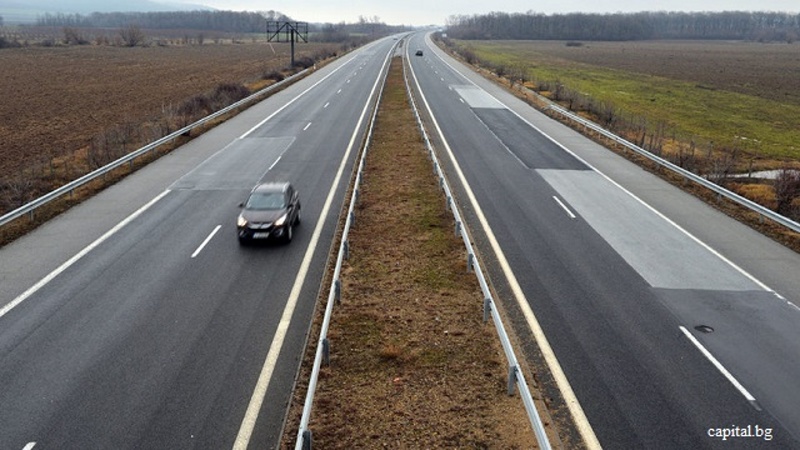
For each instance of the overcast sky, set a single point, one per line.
(425, 12)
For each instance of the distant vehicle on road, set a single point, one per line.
(271, 212)
(419, 53)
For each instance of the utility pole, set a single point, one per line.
(290, 31)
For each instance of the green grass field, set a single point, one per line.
(693, 109)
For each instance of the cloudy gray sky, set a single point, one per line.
(424, 12)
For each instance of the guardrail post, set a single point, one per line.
(487, 309)
(346, 248)
(470, 261)
(307, 440)
(337, 289)
(512, 379)
(352, 218)
(326, 352)
(357, 195)
(458, 227)
(449, 201)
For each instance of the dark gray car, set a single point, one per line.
(271, 212)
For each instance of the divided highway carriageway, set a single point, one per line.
(664, 322)
(136, 320)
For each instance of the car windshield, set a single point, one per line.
(265, 200)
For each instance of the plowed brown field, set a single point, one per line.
(55, 99)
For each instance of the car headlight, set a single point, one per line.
(241, 221)
(281, 220)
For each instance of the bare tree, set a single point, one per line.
(132, 36)
(722, 165)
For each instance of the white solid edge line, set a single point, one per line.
(574, 406)
(733, 265)
(208, 239)
(564, 207)
(260, 391)
(718, 365)
(33, 289)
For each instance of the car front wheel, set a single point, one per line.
(289, 233)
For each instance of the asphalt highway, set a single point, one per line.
(671, 325)
(136, 320)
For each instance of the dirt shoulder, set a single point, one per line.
(412, 363)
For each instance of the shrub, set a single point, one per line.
(273, 75)
(112, 144)
(787, 189)
(204, 104)
(132, 36)
(228, 94)
(195, 107)
(304, 62)
(73, 36)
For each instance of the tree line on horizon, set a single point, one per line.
(733, 25)
(204, 20)
(229, 21)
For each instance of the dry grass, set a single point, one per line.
(412, 364)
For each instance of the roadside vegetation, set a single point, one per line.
(724, 110)
(412, 363)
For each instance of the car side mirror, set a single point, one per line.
(241, 205)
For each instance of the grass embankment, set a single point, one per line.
(691, 108)
(412, 363)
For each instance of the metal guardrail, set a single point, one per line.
(515, 375)
(753, 206)
(322, 354)
(31, 207)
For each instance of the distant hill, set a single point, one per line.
(19, 11)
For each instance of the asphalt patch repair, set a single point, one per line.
(412, 363)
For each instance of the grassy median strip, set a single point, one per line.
(412, 363)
